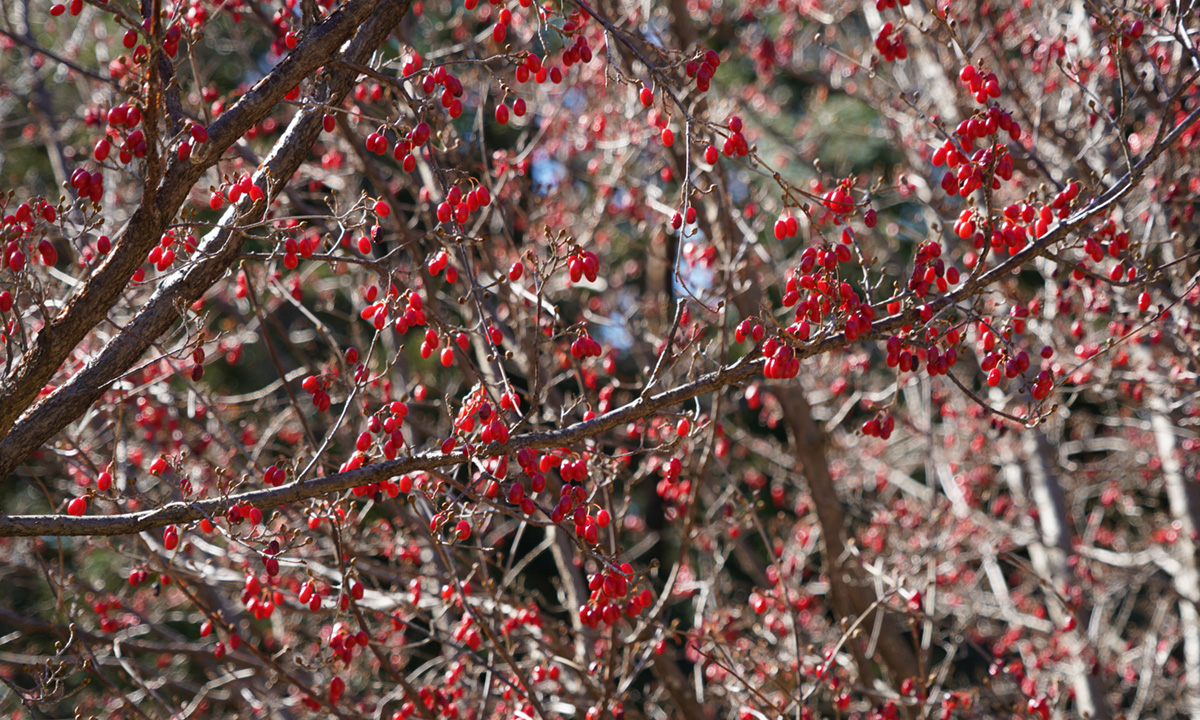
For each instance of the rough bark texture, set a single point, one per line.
(219, 249)
(90, 305)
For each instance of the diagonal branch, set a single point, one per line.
(90, 305)
(183, 512)
(11, 454)
(217, 252)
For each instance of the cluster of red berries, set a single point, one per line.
(103, 608)
(581, 264)
(1013, 365)
(317, 388)
(608, 589)
(238, 513)
(704, 70)
(377, 143)
(671, 488)
(15, 228)
(991, 122)
(253, 591)
(824, 294)
(58, 9)
(275, 476)
(138, 576)
(938, 362)
(880, 429)
(493, 429)
(891, 47)
(579, 52)
(343, 641)
(22, 220)
(392, 488)
(88, 185)
(1063, 199)
(678, 218)
(585, 347)
(125, 115)
(243, 187)
(973, 171)
(735, 144)
(571, 471)
(502, 111)
(748, 328)
(1042, 385)
(452, 90)
(516, 490)
(1106, 238)
(930, 271)
(172, 37)
(459, 206)
(494, 432)
(377, 311)
(1013, 232)
(309, 596)
(786, 227)
(532, 67)
(839, 201)
(984, 86)
(782, 363)
(571, 502)
(261, 608)
(438, 263)
(432, 341)
(389, 428)
(822, 259)
(162, 255)
(467, 633)
(1005, 363)
(1093, 246)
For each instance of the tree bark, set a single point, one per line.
(218, 251)
(91, 304)
(852, 592)
(1183, 494)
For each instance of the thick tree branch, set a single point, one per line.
(217, 252)
(182, 512)
(90, 305)
(11, 453)
(852, 593)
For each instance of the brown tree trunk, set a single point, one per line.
(852, 593)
